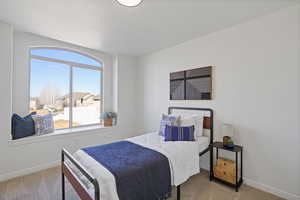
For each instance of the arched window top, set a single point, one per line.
(65, 55)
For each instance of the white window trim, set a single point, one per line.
(85, 66)
(62, 134)
(71, 65)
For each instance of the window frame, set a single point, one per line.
(71, 65)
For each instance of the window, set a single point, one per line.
(67, 85)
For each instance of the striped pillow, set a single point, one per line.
(179, 133)
(43, 124)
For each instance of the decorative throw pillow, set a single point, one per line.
(179, 133)
(22, 126)
(43, 124)
(193, 120)
(167, 120)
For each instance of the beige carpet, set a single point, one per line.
(45, 185)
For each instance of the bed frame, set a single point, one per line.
(80, 189)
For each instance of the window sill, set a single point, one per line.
(59, 134)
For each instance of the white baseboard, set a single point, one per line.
(23, 172)
(272, 190)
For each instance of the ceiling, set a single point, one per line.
(107, 26)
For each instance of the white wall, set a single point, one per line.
(256, 88)
(126, 97)
(6, 49)
(25, 157)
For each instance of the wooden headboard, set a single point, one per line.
(208, 121)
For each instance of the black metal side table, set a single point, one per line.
(236, 149)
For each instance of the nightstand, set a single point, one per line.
(238, 176)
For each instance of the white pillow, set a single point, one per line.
(167, 120)
(193, 120)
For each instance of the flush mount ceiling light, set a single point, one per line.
(129, 3)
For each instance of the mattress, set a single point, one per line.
(183, 159)
(154, 139)
(203, 143)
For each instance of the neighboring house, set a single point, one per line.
(79, 99)
(84, 100)
(60, 103)
(50, 108)
(97, 98)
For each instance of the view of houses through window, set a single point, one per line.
(67, 85)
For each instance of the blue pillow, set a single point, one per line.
(179, 133)
(22, 127)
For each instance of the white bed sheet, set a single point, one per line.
(183, 160)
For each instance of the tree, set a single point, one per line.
(49, 94)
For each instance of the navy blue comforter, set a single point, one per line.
(140, 173)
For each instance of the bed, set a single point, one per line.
(93, 181)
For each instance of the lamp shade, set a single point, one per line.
(130, 3)
(227, 130)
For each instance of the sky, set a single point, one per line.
(45, 73)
